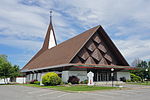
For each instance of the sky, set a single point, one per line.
(23, 25)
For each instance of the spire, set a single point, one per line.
(50, 39)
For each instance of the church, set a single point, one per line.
(92, 50)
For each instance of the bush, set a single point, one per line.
(135, 78)
(69, 84)
(51, 79)
(84, 82)
(32, 82)
(123, 79)
(37, 82)
(73, 80)
(128, 81)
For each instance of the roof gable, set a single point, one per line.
(99, 49)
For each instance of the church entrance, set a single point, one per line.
(102, 76)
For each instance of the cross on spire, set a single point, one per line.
(50, 16)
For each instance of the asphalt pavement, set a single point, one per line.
(17, 92)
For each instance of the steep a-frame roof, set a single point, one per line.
(66, 51)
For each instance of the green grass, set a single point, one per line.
(73, 87)
(6, 84)
(85, 88)
(141, 83)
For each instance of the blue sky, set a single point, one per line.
(24, 24)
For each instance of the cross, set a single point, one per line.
(50, 16)
(50, 12)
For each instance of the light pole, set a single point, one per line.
(146, 75)
(112, 76)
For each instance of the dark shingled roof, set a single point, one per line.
(62, 53)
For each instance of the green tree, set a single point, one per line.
(4, 57)
(15, 71)
(7, 70)
(149, 64)
(143, 64)
(141, 71)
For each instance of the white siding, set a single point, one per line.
(82, 75)
(123, 74)
(31, 77)
(20, 80)
(27, 78)
(39, 76)
(65, 76)
(34, 76)
(2, 81)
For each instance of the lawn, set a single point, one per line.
(141, 83)
(73, 87)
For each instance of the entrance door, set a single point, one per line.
(102, 76)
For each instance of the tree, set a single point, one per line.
(149, 64)
(136, 62)
(141, 71)
(4, 57)
(7, 70)
(143, 64)
(15, 71)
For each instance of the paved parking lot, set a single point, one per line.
(15, 92)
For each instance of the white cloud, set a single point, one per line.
(27, 45)
(24, 22)
(134, 48)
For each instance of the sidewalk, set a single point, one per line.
(132, 86)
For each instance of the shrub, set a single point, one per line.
(32, 82)
(37, 82)
(84, 82)
(128, 81)
(123, 79)
(69, 84)
(73, 80)
(135, 78)
(51, 79)
(81, 82)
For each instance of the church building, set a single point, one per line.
(92, 50)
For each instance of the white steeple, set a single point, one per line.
(50, 39)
